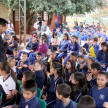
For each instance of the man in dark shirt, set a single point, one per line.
(3, 45)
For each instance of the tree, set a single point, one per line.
(66, 7)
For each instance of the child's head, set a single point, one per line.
(70, 65)
(97, 31)
(15, 52)
(95, 68)
(88, 41)
(35, 38)
(63, 91)
(104, 32)
(94, 40)
(42, 40)
(57, 29)
(14, 38)
(65, 36)
(57, 69)
(5, 69)
(73, 38)
(80, 58)
(73, 56)
(12, 33)
(102, 79)
(11, 61)
(81, 32)
(86, 102)
(23, 56)
(29, 89)
(39, 56)
(89, 33)
(52, 55)
(104, 46)
(91, 60)
(28, 75)
(38, 65)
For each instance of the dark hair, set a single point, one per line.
(96, 65)
(92, 59)
(39, 53)
(89, 38)
(74, 54)
(103, 73)
(34, 33)
(95, 39)
(53, 51)
(44, 70)
(64, 90)
(66, 34)
(75, 42)
(12, 33)
(104, 31)
(81, 56)
(29, 75)
(73, 66)
(59, 68)
(86, 102)
(100, 54)
(15, 38)
(10, 59)
(54, 34)
(89, 31)
(16, 49)
(81, 31)
(30, 85)
(80, 77)
(3, 22)
(24, 53)
(45, 36)
(5, 66)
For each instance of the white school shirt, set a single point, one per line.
(14, 69)
(8, 84)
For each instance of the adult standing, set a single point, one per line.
(3, 44)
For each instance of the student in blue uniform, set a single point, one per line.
(81, 61)
(82, 36)
(102, 56)
(76, 32)
(79, 87)
(92, 30)
(73, 47)
(89, 35)
(15, 55)
(70, 69)
(86, 46)
(56, 78)
(29, 100)
(92, 77)
(23, 65)
(86, 102)
(41, 75)
(62, 93)
(100, 92)
(105, 36)
(63, 46)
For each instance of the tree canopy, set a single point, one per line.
(66, 7)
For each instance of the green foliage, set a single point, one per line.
(66, 7)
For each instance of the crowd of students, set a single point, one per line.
(75, 71)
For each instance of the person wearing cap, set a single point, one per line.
(32, 45)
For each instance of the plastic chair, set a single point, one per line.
(43, 104)
(75, 103)
(39, 92)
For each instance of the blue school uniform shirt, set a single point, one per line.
(68, 74)
(83, 37)
(23, 69)
(93, 31)
(71, 47)
(32, 103)
(64, 45)
(76, 33)
(106, 37)
(86, 46)
(15, 43)
(100, 96)
(40, 78)
(59, 104)
(89, 36)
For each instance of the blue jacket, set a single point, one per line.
(32, 103)
(71, 47)
(51, 90)
(83, 37)
(31, 46)
(106, 37)
(100, 96)
(40, 78)
(59, 104)
(23, 69)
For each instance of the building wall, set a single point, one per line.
(4, 13)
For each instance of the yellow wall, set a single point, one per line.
(4, 13)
